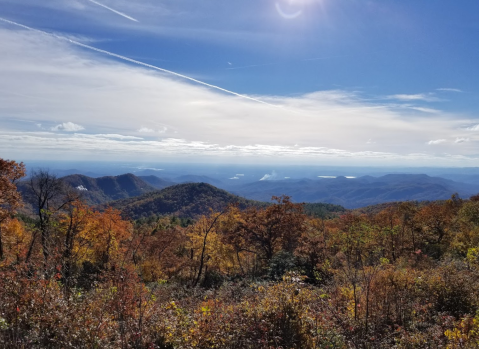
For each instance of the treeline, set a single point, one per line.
(261, 277)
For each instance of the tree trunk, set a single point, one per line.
(1, 244)
(203, 250)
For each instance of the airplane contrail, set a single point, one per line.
(113, 10)
(139, 63)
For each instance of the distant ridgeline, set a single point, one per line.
(145, 196)
(360, 192)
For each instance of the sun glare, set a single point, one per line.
(290, 9)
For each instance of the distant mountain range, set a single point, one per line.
(464, 178)
(347, 192)
(359, 192)
(157, 182)
(190, 200)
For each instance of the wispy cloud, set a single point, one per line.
(173, 148)
(449, 89)
(68, 127)
(117, 136)
(436, 141)
(201, 122)
(192, 20)
(427, 97)
(139, 63)
(425, 110)
(461, 140)
(473, 128)
(113, 10)
(150, 130)
(146, 130)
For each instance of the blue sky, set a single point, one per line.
(340, 82)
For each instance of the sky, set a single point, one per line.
(323, 82)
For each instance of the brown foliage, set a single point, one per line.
(277, 227)
(10, 199)
(404, 277)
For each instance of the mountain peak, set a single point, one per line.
(108, 188)
(183, 200)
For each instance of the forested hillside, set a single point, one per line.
(189, 200)
(103, 189)
(239, 276)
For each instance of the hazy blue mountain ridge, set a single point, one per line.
(157, 182)
(358, 192)
(347, 192)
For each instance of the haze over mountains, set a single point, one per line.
(238, 172)
(358, 192)
(347, 192)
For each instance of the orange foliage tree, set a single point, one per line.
(10, 199)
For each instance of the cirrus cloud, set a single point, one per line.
(44, 79)
(427, 97)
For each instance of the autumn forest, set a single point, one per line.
(73, 275)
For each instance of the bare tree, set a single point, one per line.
(48, 195)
